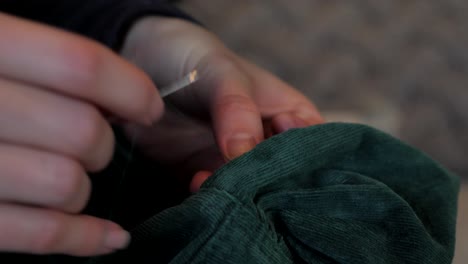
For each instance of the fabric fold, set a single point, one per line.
(332, 193)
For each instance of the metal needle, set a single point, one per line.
(179, 84)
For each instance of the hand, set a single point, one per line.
(56, 90)
(234, 106)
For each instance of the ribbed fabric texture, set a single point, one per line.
(333, 193)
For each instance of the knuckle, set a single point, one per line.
(69, 178)
(90, 127)
(50, 234)
(93, 140)
(81, 62)
(236, 103)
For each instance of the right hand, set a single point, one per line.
(54, 88)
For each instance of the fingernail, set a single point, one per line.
(287, 124)
(310, 117)
(239, 144)
(116, 237)
(300, 122)
(290, 122)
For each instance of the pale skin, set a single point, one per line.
(58, 90)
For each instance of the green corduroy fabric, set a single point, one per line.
(332, 193)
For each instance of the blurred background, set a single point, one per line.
(400, 66)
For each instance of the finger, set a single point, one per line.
(198, 179)
(285, 121)
(308, 113)
(55, 123)
(43, 231)
(75, 66)
(280, 97)
(236, 119)
(39, 178)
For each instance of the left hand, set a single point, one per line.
(231, 108)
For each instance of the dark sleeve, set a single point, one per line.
(106, 21)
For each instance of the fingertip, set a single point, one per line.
(198, 179)
(157, 108)
(299, 119)
(238, 124)
(310, 115)
(287, 121)
(116, 237)
(238, 145)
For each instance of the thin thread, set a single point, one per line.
(113, 205)
(165, 91)
(124, 172)
(185, 81)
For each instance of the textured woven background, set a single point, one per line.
(401, 65)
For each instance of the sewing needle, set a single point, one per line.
(179, 84)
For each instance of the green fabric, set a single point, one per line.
(332, 193)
